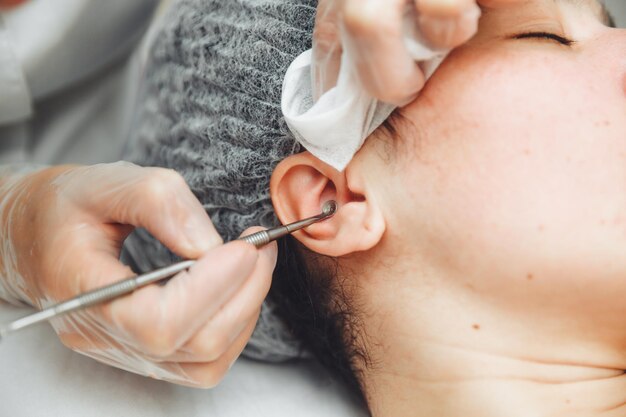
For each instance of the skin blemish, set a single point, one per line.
(603, 123)
(530, 277)
(476, 326)
(541, 227)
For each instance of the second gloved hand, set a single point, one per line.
(372, 33)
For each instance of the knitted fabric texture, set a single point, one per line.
(210, 109)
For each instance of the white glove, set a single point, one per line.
(373, 33)
(62, 229)
(368, 58)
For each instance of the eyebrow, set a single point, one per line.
(598, 7)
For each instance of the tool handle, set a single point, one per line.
(97, 296)
(120, 288)
(258, 239)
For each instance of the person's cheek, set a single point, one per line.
(514, 155)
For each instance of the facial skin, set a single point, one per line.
(490, 255)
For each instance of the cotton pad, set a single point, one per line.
(335, 127)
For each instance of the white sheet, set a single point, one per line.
(40, 377)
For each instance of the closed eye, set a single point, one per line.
(546, 35)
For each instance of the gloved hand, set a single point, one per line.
(62, 229)
(373, 36)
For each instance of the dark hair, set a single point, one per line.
(312, 301)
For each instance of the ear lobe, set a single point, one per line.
(300, 186)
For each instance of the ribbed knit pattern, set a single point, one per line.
(210, 109)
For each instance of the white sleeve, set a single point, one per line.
(15, 99)
(60, 43)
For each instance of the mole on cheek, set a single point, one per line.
(530, 277)
(476, 326)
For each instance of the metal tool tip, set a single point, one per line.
(329, 208)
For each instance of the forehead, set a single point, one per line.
(594, 8)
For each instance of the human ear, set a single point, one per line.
(300, 186)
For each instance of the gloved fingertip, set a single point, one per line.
(237, 256)
(406, 101)
(472, 14)
(202, 238)
(270, 252)
(246, 252)
(449, 31)
(443, 7)
(396, 97)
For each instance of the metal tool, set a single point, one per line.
(129, 285)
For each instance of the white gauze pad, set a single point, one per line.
(335, 127)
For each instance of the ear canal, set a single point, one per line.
(300, 186)
(329, 208)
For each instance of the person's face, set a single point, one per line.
(515, 178)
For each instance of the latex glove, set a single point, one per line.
(372, 32)
(63, 228)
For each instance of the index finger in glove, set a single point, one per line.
(156, 199)
(327, 47)
(447, 24)
(375, 43)
(158, 320)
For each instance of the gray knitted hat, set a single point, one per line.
(210, 109)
